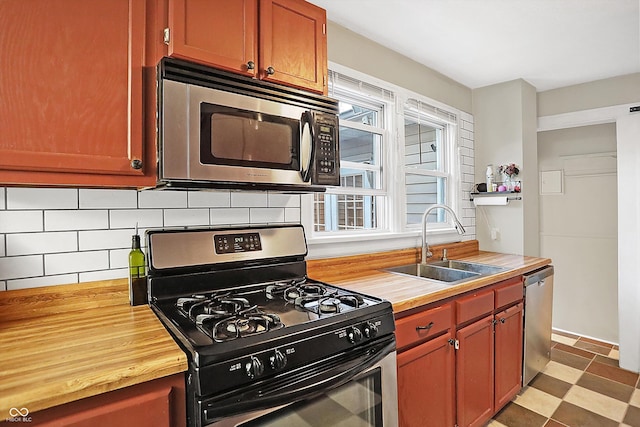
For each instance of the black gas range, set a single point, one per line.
(260, 334)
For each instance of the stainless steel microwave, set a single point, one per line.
(221, 130)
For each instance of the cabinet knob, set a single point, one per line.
(271, 71)
(251, 65)
(136, 164)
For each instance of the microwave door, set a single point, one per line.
(307, 147)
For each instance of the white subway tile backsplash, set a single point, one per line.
(41, 243)
(3, 285)
(36, 282)
(266, 215)
(2, 251)
(127, 218)
(249, 200)
(119, 258)
(229, 216)
(277, 200)
(92, 276)
(18, 267)
(75, 262)
(186, 217)
(76, 220)
(107, 199)
(42, 198)
(2, 198)
(162, 199)
(291, 215)
(20, 221)
(104, 239)
(209, 199)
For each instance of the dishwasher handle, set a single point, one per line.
(538, 275)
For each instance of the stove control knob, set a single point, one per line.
(254, 367)
(278, 360)
(370, 330)
(354, 335)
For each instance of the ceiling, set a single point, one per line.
(548, 43)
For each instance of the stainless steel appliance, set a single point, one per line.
(538, 302)
(267, 346)
(221, 130)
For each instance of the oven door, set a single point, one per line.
(358, 391)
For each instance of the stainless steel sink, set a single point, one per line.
(469, 266)
(428, 271)
(449, 272)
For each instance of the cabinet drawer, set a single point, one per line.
(474, 306)
(422, 326)
(509, 293)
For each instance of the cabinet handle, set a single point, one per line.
(271, 71)
(251, 65)
(503, 320)
(422, 328)
(136, 164)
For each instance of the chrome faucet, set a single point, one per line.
(426, 253)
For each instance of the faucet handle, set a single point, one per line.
(444, 254)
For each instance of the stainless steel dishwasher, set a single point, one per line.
(538, 298)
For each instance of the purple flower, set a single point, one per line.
(510, 169)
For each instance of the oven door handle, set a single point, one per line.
(287, 392)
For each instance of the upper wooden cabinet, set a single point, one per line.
(282, 41)
(71, 98)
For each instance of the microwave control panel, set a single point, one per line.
(326, 169)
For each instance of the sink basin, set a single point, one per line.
(439, 273)
(469, 266)
(450, 272)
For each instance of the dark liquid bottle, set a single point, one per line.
(137, 273)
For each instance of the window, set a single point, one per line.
(396, 159)
(427, 170)
(360, 201)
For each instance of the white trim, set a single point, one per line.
(593, 116)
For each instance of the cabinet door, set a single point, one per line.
(474, 373)
(71, 91)
(157, 403)
(508, 337)
(220, 33)
(426, 384)
(293, 44)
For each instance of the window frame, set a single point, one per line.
(393, 231)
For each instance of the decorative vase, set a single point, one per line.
(508, 182)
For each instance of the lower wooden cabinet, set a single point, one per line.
(157, 403)
(426, 384)
(474, 373)
(470, 367)
(508, 355)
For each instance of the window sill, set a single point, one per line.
(331, 246)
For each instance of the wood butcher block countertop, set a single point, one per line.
(365, 274)
(63, 343)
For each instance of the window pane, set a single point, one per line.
(359, 146)
(423, 191)
(344, 212)
(357, 178)
(421, 144)
(356, 113)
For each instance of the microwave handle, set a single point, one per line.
(307, 146)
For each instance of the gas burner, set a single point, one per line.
(252, 323)
(330, 303)
(278, 290)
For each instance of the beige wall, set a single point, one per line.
(578, 229)
(600, 93)
(354, 51)
(505, 132)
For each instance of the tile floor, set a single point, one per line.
(582, 386)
